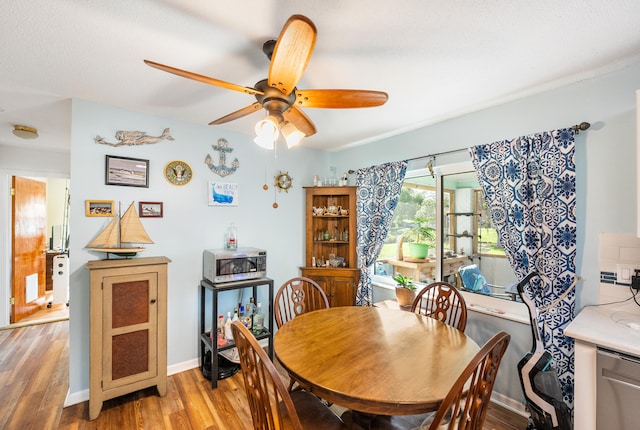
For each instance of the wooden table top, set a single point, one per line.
(374, 360)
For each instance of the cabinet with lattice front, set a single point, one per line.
(128, 328)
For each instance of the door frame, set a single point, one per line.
(5, 237)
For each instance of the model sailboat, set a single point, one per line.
(121, 235)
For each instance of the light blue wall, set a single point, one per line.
(605, 154)
(189, 224)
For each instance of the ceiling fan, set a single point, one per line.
(278, 94)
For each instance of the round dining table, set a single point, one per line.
(374, 360)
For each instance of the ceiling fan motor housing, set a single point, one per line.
(273, 100)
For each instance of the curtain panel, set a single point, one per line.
(377, 197)
(530, 189)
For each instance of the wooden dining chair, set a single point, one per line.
(442, 301)
(272, 406)
(297, 296)
(465, 406)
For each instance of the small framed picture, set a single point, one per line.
(99, 207)
(223, 194)
(131, 172)
(150, 209)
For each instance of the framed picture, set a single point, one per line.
(99, 207)
(223, 194)
(131, 172)
(150, 209)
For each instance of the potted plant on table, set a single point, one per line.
(405, 290)
(419, 238)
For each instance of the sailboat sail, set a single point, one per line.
(131, 229)
(120, 234)
(109, 236)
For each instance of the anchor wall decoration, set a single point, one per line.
(222, 169)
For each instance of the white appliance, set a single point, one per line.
(61, 279)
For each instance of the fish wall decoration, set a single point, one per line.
(134, 138)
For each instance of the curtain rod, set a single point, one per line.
(577, 128)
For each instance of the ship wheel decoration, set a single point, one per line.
(283, 181)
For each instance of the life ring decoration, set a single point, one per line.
(283, 181)
(178, 172)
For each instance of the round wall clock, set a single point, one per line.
(283, 181)
(178, 172)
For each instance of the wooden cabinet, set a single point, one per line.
(330, 214)
(340, 285)
(128, 328)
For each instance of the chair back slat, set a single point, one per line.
(442, 301)
(465, 406)
(297, 296)
(269, 401)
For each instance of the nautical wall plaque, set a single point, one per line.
(222, 169)
(135, 138)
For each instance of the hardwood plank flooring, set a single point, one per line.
(34, 382)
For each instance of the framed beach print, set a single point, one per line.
(150, 209)
(131, 172)
(223, 194)
(99, 207)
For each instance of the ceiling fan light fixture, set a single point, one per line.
(267, 132)
(291, 134)
(25, 132)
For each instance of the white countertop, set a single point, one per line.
(614, 326)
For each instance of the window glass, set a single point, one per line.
(471, 256)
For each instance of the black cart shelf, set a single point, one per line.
(207, 344)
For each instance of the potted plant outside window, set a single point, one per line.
(419, 238)
(405, 290)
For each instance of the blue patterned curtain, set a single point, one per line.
(530, 189)
(378, 191)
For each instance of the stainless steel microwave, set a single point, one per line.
(227, 265)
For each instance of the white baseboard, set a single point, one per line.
(183, 367)
(83, 395)
(76, 397)
(509, 403)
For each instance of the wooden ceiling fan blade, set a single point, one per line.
(340, 99)
(292, 53)
(237, 114)
(203, 79)
(302, 122)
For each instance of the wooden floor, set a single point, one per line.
(34, 382)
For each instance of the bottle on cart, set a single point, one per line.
(258, 320)
(227, 327)
(235, 315)
(232, 237)
(222, 340)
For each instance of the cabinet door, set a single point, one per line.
(343, 291)
(325, 283)
(129, 328)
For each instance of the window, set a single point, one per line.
(464, 239)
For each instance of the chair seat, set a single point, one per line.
(314, 414)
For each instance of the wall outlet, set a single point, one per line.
(625, 272)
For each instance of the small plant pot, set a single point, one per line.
(418, 250)
(404, 296)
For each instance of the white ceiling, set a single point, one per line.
(435, 59)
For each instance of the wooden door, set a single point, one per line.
(28, 246)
